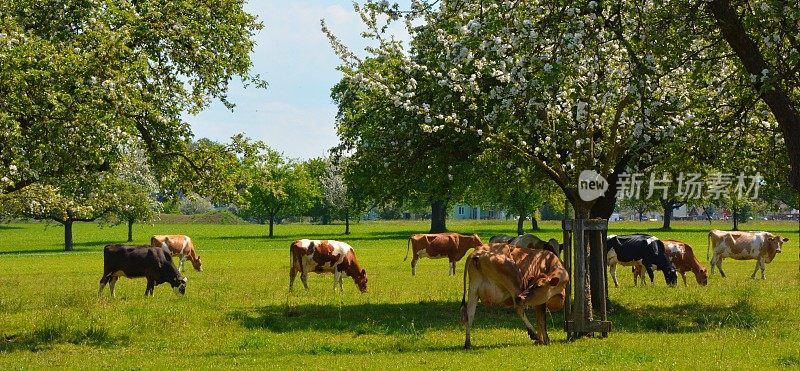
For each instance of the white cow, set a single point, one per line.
(744, 246)
(325, 256)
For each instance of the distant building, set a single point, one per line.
(463, 211)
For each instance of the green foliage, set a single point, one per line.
(81, 80)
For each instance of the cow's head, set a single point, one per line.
(773, 246)
(701, 276)
(671, 275)
(545, 289)
(197, 264)
(361, 280)
(179, 285)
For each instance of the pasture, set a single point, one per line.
(239, 313)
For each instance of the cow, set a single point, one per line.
(452, 246)
(175, 245)
(325, 256)
(762, 246)
(501, 238)
(684, 260)
(513, 276)
(642, 249)
(140, 261)
(532, 242)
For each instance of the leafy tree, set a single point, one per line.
(343, 199)
(640, 205)
(81, 80)
(279, 188)
(136, 187)
(320, 211)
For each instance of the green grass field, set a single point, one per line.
(239, 313)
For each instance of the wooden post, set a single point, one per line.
(588, 310)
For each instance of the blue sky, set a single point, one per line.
(295, 114)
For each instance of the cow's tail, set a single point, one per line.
(708, 247)
(463, 309)
(408, 247)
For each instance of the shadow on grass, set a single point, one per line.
(47, 336)
(323, 236)
(8, 227)
(76, 247)
(380, 319)
(684, 318)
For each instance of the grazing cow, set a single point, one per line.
(325, 256)
(642, 249)
(181, 245)
(532, 242)
(140, 261)
(452, 246)
(509, 275)
(761, 246)
(501, 238)
(684, 260)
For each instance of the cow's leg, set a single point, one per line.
(103, 282)
(304, 278)
(151, 284)
(337, 278)
(683, 275)
(614, 274)
(182, 261)
(759, 265)
(472, 304)
(112, 284)
(719, 265)
(763, 266)
(452, 271)
(713, 263)
(649, 270)
(292, 275)
(520, 309)
(541, 324)
(414, 264)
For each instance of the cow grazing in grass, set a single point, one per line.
(634, 249)
(532, 242)
(452, 246)
(684, 260)
(140, 261)
(325, 256)
(518, 277)
(178, 245)
(762, 246)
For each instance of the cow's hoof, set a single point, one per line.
(532, 335)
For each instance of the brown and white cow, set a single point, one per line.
(178, 245)
(140, 261)
(682, 257)
(762, 246)
(509, 275)
(532, 242)
(325, 256)
(452, 246)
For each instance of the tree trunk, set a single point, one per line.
(520, 224)
(130, 230)
(271, 224)
(346, 222)
(735, 217)
(534, 222)
(438, 216)
(776, 97)
(641, 215)
(68, 235)
(669, 208)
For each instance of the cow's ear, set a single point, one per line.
(786, 239)
(554, 281)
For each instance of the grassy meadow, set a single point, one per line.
(239, 313)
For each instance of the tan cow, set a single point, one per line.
(509, 275)
(682, 257)
(762, 246)
(325, 256)
(452, 246)
(178, 244)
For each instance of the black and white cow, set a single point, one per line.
(634, 249)
(140, 261)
